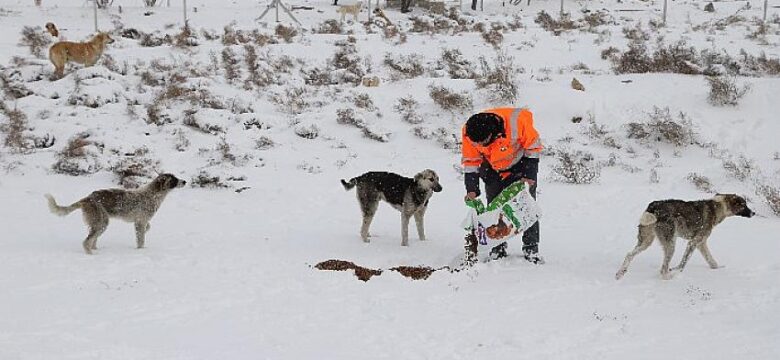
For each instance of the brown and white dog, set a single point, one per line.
(691, 220)
(136, 206)
(52, 29)
(86, 53)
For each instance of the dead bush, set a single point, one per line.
(458, 67)
(636, 34)
(185, 38)
(292, 100)
(376, 134)
(500, 78)
(660, 126)
(407, 107)
(364, 101)
(346, 63)
(191, 121)
(759, 65)
(347, 116)
(405, 66)
(771, 196)
(548, 23)
(725, 91)
(609, 53)
(264, 143)
(103, 4)
(181, 142)
(264, 69)
(575, 167)
(330, 26)
(494, 36)
(231, 64)
(450, 100)
(36, 39)
(135, 168)
(12, 83)
(597, 18)
(14, 130)
(741, 168)
(701, 182)
(676, 58)
(287, 33)
(206, 180)
(79, 157)
(444, 137)
(311, 131)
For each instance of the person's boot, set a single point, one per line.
(474, 5)
(498, 251)
(531, 254)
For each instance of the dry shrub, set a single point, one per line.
(287, 33)
(231, 36)
(191, 121)
(292, 100)
(499, 78)
(548, 23)
(609, 53)
(263, 69)
(103, 4)
(771, 196)
(575, 167)
(759, 65)
(405, 66)
(135, 168)
(12, 83)
(79, 157)
(725, 91)
(14, 130)
(407, 107)
(36, 39)
(230, 63)
(207, 180)
(376, 134)
(740, 168)
(450, 100)
(198, 98)
(364, 101)
(311, 131)
(330, 26)
(346, 64)
(185, 38)
(597, 18)
(701, 182)
(660, 126)
(458, 67)
(636, 34)
(347, 116)
(264, 143)
(446, 139)
(494, 36)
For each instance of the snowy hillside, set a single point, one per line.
(263, 119)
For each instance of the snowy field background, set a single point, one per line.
(227, 271)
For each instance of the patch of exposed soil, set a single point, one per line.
(415, 272)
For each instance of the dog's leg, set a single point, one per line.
(405, 228)
(645, 238)
(140, 233)
(705, 251)
(666, 238)
(692, 244)
(368, 207)
(97, 221)
(418, 220)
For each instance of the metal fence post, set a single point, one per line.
(665, 1)
(94, 11)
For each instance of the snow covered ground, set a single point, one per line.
(228, 271)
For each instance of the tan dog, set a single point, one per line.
(52, 29)
(370, 81)
(350, 9)
(86, 53)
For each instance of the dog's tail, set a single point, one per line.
(61, 210)
(647, 219)
(348, 185)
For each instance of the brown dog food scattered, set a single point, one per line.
(414, 272)
(362, 273)
(341, 265)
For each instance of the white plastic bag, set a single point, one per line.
(508, 215)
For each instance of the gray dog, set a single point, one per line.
(691, 220)
(409, 196)
(136, 206)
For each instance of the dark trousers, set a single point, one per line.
(494, 184)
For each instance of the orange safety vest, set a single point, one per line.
(521, 139)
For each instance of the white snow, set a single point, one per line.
(229, 275)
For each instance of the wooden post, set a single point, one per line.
(766, 5)
(664, 22)
(561, 8)
(369, 11)
(185, 14)
(94, 8)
